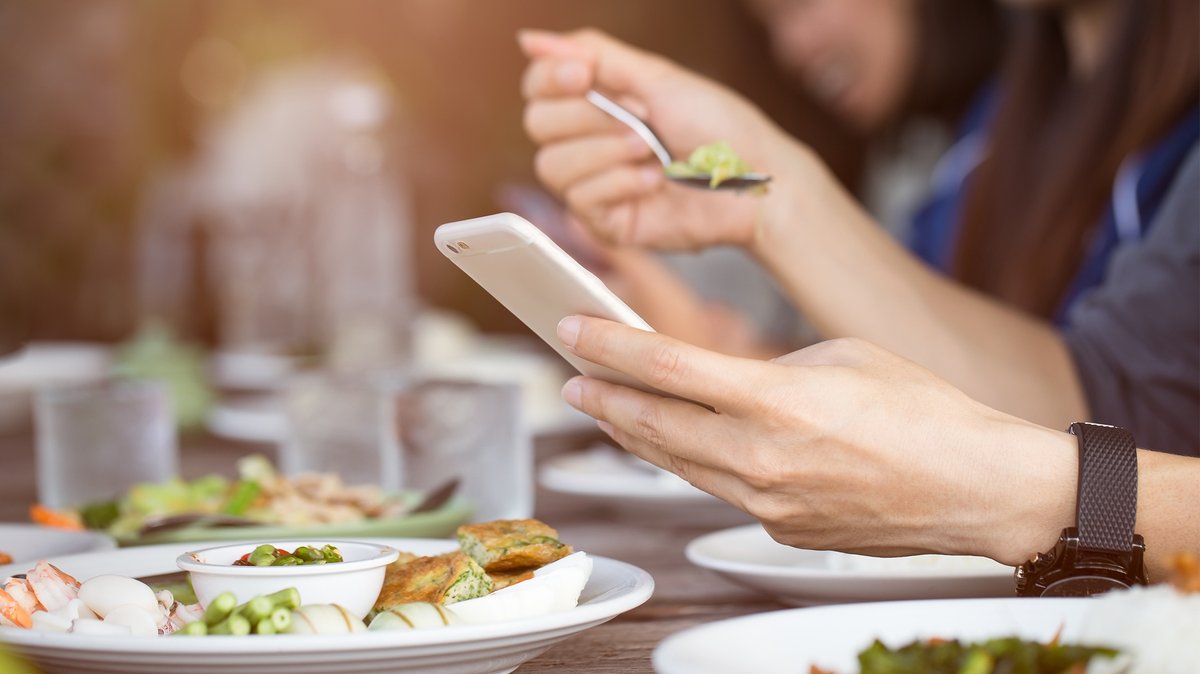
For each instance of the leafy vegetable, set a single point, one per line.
(244, 493)
(1008, 656)
(100, 515)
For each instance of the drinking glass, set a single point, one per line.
(337, 423)
(470, 430)
(95, 441)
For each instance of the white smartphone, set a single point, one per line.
(536, 280)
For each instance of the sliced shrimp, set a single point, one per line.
(12, 614)
(20, 591)
(53, 588)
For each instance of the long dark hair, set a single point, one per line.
(960, 43)
(1057, 145)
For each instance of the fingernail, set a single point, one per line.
(572, 392)
(568, 331)
(606, 427)
(571, 75)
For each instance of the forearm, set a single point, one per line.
(1167, 510)
(851, 278)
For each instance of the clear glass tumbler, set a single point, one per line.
(472, 431)
(337, 423)
(95, 441)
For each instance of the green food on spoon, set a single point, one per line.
(716, 160)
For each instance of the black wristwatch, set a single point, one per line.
(1101, 552)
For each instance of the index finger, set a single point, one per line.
(726, 383)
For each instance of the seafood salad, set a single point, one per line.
(48, 599)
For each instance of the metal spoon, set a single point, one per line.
(742, 182)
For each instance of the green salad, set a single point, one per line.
(995, 656)
(258, 493)
(715, 161)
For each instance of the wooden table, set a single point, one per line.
(684, 595)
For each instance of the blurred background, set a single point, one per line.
(267, 174)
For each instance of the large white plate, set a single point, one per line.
(29, 542)
(750, 557)
(603, 471)
(831, 636)
(615, 587)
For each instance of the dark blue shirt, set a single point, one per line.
(1139, 190)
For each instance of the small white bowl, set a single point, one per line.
(354, 584)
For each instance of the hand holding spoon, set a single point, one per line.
(740, 182)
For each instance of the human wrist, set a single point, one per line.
(1037, 498)
(799, 178)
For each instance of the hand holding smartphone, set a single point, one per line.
(536, 280)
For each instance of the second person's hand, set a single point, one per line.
(608, 176)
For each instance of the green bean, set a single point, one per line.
(331, 554)
(263, 555)
(236, 625)
(219, 608)
(281, 619)
(256, 609)
(196, 628)
(288, 597)
(288, 560)
(308, 554)
(264, 626)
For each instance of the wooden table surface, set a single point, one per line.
(684, 595)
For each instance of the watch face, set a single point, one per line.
(1082, 586)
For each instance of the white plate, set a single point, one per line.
(42, 364)
(615, 587)
(832, 636)
(604, 471)
(251, 370)
(249, 418)
(30, 542)
(750, 557)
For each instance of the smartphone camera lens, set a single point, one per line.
(451, 248)
(463, 245)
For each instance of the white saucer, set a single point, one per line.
(30, 542)
(605, 472)
(750, 557)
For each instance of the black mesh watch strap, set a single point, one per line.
(1107, 503)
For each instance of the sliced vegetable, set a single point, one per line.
(243, 494)
(269, 555)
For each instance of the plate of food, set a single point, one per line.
(500, 595)
(259, 504)
(748, 556)
(1145, 630)
(26, 542)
